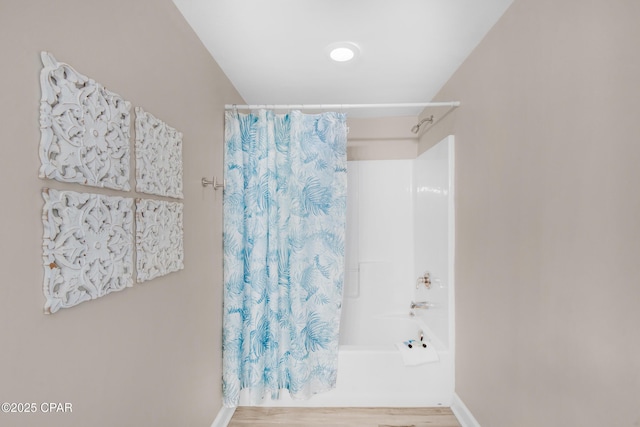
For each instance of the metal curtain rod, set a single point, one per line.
(338, 106)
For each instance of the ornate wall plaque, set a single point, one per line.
(158, 157)
(159, 232)
(85, 129)
(88, 247)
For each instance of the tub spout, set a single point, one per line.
(423, 305)
(420, 304)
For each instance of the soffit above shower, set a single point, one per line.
(274, 52)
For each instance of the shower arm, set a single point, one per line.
(416, 128)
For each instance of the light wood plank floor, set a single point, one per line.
(343, 417)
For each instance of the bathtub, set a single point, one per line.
(371, 371)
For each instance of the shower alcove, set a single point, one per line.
(400, 225)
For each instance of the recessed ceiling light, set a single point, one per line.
(343, 51)
(342, 54)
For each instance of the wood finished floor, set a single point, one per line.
(343, 417)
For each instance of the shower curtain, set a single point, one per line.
(284, 241)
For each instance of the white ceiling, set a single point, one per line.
(274, 51)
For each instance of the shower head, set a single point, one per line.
(416, 128)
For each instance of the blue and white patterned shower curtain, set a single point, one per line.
(284, 242)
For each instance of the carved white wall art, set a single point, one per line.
(87, 247)
(159, 235)
(85, 129)
(158, 157)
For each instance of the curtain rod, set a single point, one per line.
(338, 106)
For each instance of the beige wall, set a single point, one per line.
(548, 216)
(381, 138)
(149, 355)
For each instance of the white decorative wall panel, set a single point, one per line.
(158, 157)
(159, 234)
(87, 247)
(85, 129)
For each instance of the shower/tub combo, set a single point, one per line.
(399, 284)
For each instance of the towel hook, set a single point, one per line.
(214, 183)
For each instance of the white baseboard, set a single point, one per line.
(223, 417)
(462, 413)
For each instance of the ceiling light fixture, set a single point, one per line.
(343, 51)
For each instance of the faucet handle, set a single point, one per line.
(425, 280)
